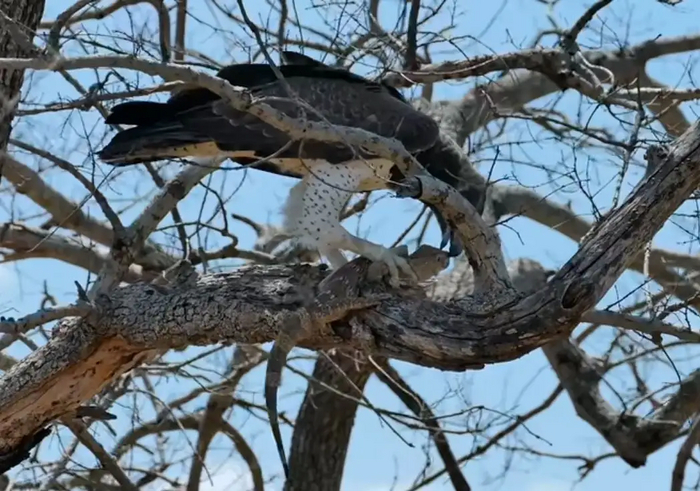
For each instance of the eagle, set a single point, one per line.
(196, 122)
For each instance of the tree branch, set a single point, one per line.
(481, 242)
(136, 320)
(240, 99)
(516, 88)
(29, 242)
(413, 401)
(508, 200)
(684, 454)
(633, 437)
(323, 436)
(109, 463)
(649, 326)
(67, 214)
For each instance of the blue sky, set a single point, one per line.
(377, 459)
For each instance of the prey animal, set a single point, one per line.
(338, 295)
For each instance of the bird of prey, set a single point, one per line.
(196, 122)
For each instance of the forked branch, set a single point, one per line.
(137, 320)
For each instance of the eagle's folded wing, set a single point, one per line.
(197, 123)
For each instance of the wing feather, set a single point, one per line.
(337, 96)
(341, 103)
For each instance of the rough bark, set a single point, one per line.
(510, 201)
(632, 436)
(516, 88)
(513, 91)
(244, 306)
(321, 438)
(114, 330)
(26, 15)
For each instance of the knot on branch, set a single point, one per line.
(179, 275)
(577, 294)
(123, 247)
(655, 155)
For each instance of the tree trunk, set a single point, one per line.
(325, 421)
(26, 15)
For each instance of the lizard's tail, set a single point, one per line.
(273, 376)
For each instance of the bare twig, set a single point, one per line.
(62, 21)
(113, 218)
(109, 463)
(626, 321)
(413, 401)
(44, 316)
(242, 100)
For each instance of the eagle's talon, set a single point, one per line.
(396, 265)
(456, 247)
(408, 271)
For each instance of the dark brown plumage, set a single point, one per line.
(195, 122)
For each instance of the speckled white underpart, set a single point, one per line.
(312, 211)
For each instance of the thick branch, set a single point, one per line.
(138, 319)
(549, 62)
(516, 88)
(24, 15)
(242, 100)
(481, 242)
(516, 201)
(684, 455)
(321, 437)
(632, 437)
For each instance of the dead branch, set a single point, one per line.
(639, 324)
(508, 200)
(239, 99)
(516, 88)
(137, 320)
(413, 401)
(68, 214)
(29, 242)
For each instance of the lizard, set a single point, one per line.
(338, 295)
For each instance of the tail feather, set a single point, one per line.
(149, 143)
(138, 113)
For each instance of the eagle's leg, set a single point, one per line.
(377, 252)
(335, 257)
(312, 216)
